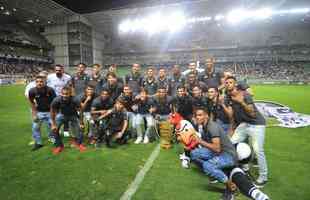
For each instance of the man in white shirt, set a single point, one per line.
(58, 79)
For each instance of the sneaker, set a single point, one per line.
(261, 182)
(213, 180)
(146, 140)
(66, 134)
(185, 163)
(228, 195)
(246, 167)
(58, 149)
(36, 147)
(138, 140)
(31, 143)
(259, 195)
(182, 156)
(82, 148)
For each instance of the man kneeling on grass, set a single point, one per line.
(115, 124)
(216, 152)
(64, 108)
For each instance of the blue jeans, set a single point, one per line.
(256, 133)
(43, 117)
(213, 163)
(74, 126)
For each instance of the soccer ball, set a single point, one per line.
(243, 151)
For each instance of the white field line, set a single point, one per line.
(133, 187)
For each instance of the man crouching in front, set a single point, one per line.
(216, 152)
(65, 109)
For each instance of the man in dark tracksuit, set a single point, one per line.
(116, 123)
(99, 108)
(175, 80)
(149, 83)
(182, 103)
(113, 86)
(134, 79)
(79, 80)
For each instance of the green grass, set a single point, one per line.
(95, 174)
(106, 173)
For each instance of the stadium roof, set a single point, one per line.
(90, 6)
(39, 12)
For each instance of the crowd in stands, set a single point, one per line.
(282, 71)
(259, 71)
(28, 69)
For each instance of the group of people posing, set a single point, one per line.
(107, 109)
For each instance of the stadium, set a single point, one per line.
(173, 99)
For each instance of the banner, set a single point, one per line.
(283, 114)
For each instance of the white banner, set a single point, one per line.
(283, 114)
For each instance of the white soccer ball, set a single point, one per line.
(243, 151)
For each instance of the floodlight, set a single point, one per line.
(299, 10)
(237, 16)
(153, 23)
(125, 26)
(175, 21)
(219, 17)
(263, 13)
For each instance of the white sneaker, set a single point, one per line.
(185, 163)
(138, 140)
(259, 195)
(66, 134)
(181, 156)
(261, 182)
(245, 167)
(146, 140)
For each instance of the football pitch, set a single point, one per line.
(107, 173)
